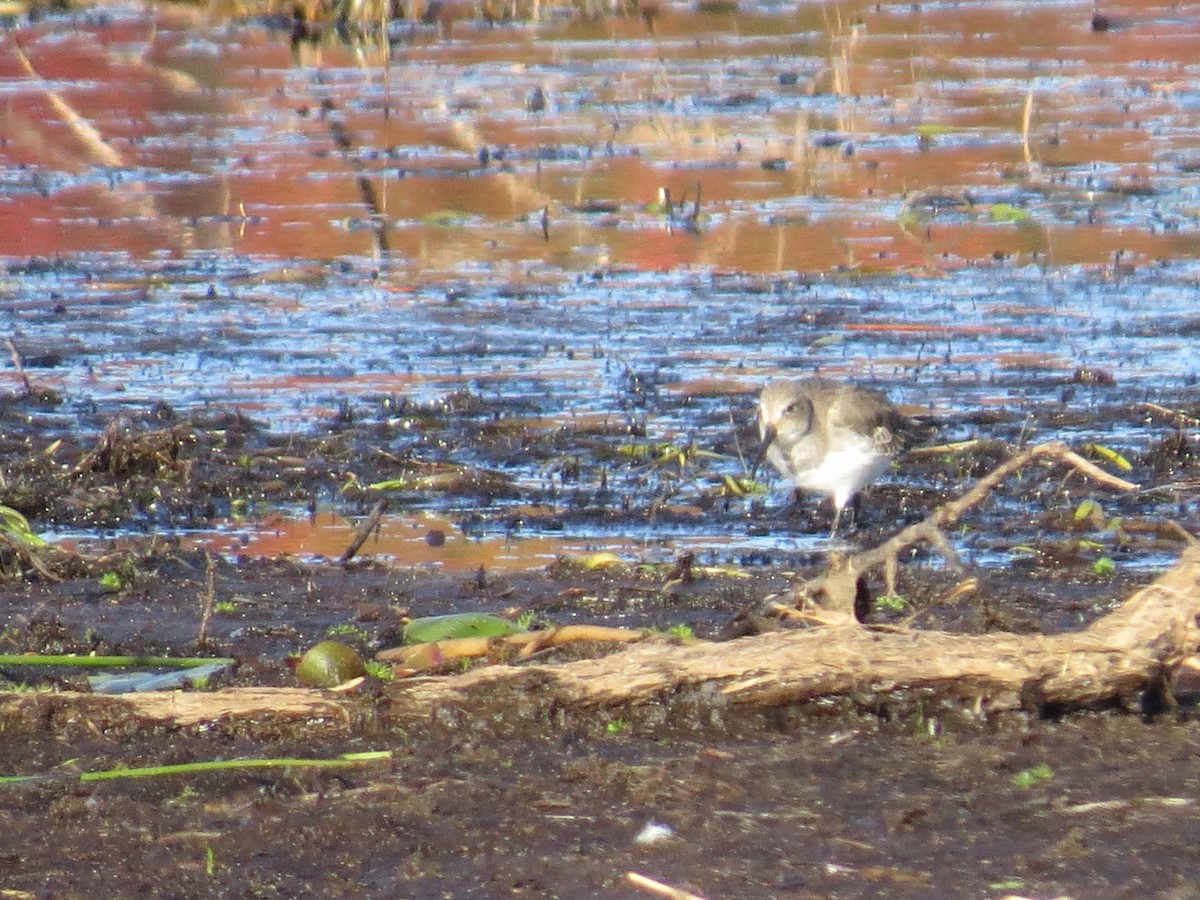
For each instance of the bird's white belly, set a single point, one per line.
(844, 472)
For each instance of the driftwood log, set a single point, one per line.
(1135, 650)
(1138, 648)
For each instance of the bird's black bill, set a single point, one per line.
(768, 438)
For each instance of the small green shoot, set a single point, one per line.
(1104, 566)
(210, 862)
(617, 726)
(891, 602)
(346, 631)
(530, 621)
(1027, 778)
(111, 581)
(20, 687)
(224, 607)
(379, 671)
(682, 632)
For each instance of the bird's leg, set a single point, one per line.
(855, 508)
(852, 519)
(837, 517)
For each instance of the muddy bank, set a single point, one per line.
(848, 799)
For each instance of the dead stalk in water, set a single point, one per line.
(1026, 116)
(364, 531)
(210, 596)
(19, 365)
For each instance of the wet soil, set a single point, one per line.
(847, 799)
(253, 274)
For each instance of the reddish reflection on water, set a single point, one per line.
(809, 132)
(237, 223)
(425, 540)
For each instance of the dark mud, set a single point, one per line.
(845, 799)
(252, 277)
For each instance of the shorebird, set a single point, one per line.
(829, 437)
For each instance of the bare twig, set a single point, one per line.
(364, 531)
(930, 529)
(437, 653)
(27, 554)
(1177, 417)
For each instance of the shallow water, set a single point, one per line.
(207, 215)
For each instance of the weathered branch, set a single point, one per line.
(931, 529)
(1135, 649)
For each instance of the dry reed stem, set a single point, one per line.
(19, 365)
(1026, 116)
(660, 888)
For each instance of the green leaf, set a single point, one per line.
(16, 525)
(601, 560)
(1005, 212)
(827, 340)
(1109, 455)
(1089, 509)
(1104, 566)
(740, 487)
(457, 625)
(446, 218)
(392, 484)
